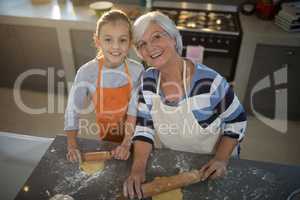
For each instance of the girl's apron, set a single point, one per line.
(111, 107)
(177, 128)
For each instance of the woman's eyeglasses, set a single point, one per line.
(154, 39)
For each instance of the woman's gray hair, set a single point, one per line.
(141, 24)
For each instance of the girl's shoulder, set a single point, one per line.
(88, 67)
(88, 70)
(135, 68)
(135, 65)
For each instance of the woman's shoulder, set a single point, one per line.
(149, 82)
(207, 80)
(205, 72)
(151, 73)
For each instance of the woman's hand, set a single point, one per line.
(215, 168)
(73, 154)
(133, 184)
(122, 152)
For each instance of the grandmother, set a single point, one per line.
(183, 105)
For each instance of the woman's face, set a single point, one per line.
(156, 46)
(114, 42)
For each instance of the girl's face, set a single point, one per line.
(114, 42)
(156, 47)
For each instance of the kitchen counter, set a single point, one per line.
(245, 179)
(60, 11)
(19, 155)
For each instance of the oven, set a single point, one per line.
(215, 27)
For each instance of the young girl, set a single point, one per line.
(110, 80)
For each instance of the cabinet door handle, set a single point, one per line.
(225, 51)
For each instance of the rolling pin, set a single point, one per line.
(165, 184)
(94, 156)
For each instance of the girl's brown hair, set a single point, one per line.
(111, 17)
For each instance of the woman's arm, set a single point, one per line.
(225, 148)
(143, 141)
(233, 118)
(133, 183)
(217, 166)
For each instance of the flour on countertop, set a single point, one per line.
(156, 166)
(233, 183)
(72, 183)
(182, 163)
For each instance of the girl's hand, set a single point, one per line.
(132, 185)
(73, 154)
(122, 152)
(215, 168)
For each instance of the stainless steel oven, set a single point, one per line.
(215, 27)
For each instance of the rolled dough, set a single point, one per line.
(91, 167)
(173, 194)
(61, 197)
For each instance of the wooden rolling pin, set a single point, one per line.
(165, 184)
(96, 156)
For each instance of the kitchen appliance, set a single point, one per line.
(288, 17)
(215, 27)
(100, 7)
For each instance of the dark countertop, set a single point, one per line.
(245, 179)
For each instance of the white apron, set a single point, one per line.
(177, 128)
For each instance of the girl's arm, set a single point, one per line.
(72, 139)
(129, 129)
(72, 145)
(122, 152)
(77, 96)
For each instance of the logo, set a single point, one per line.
(279, 122)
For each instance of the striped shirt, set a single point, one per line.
(213, 98)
